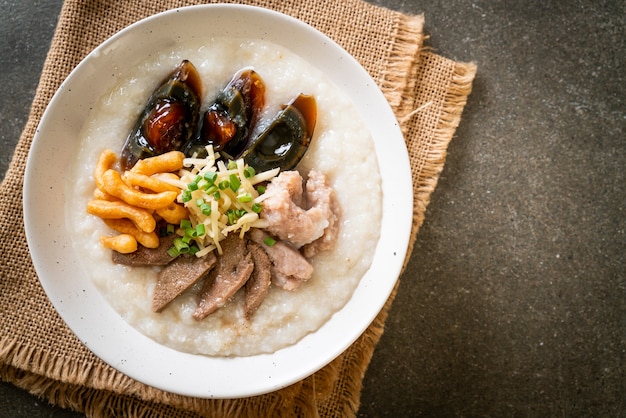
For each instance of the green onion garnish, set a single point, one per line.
(192, 186)
(245, 198)
(257, 207)
(166, 230)
(269, 241)
(186, 196)
(224, 184)
(260, 189)
(199, 202)
(200, 230)
(234, 183)
(210, 176)
(185, 223)
(249, 172)
(181, 246)
(232, 165)
(206, 209)
(232, 216)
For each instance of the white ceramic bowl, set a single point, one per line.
(85, 310)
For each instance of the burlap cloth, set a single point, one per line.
(37, 350)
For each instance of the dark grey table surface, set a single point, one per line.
(514, 301)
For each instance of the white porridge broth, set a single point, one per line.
(341, 148)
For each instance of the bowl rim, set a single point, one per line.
(271, 371)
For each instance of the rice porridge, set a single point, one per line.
(341, 148)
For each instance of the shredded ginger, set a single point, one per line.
(222, 197)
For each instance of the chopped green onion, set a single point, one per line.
(173, 252)
(193, 249)
(217, 195)
(269, 241)
(232, 217)
(257, 207)
(211, 189)
(245, 198)
(234, 183)
(181, 246)
(167, 230)
(260, 189)
(199, 202)
(224, 184)
(200, 230)
(249, 172)
(187, 239)
(206, 209)
(234, 214)
(210, 176)
(185, 223)
(192, 186)
(186, 196)
(232, 165)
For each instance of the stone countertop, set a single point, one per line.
(514, 300)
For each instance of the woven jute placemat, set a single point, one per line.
(38, 352)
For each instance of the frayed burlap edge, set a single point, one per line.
(425, 177)
(396, 77)
(85, 400)
(427, 168)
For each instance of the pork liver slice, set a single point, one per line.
(178, 276)
(232, 271)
